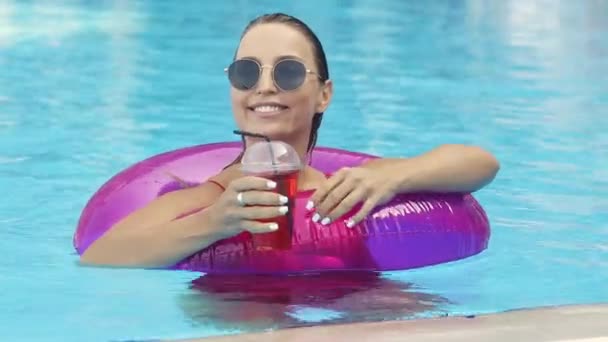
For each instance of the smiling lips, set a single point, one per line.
(267, 109)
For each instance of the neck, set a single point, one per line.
(300, 146)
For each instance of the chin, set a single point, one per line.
(274, 131)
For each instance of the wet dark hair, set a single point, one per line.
(319, 55)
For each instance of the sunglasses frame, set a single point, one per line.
(272, 67)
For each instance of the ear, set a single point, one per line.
(325, 95)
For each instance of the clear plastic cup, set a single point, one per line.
(279, 162)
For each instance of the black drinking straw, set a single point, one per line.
(261, 136)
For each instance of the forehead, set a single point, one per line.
(269, 42)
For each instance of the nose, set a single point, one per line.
(266, 84)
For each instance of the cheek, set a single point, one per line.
(239, 101)
(305, 114)
(303, 109)
(306, 101)
(237, 97)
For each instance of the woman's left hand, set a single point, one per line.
(348, 187)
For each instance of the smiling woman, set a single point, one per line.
(282, 84)
(280, 88)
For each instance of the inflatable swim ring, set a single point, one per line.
(412, 230)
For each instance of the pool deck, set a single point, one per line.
(582, 323)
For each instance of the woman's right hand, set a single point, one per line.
(244, 201)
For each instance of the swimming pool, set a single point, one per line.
(86, 90)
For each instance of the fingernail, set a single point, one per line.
(316, 217)
(283, 210)
(283, 199)
(271, 185)
(309, 205)
(325, 221)
(273, 226)
(350, 223)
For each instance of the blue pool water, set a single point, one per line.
(87, 88)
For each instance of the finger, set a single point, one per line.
(334, 198)
(257, 227)
(257, 213)
(367, 207)
(326, 187)
(347, 204)
(252, 183)
(251, 198)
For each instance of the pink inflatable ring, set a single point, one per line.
(412, 230)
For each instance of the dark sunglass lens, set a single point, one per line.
(289, 74)
(243, 74)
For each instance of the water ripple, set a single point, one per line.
(90, 88)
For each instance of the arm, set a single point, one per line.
(175, 226)
(447, 168)
(153, 237)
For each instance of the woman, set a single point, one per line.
(280, 88)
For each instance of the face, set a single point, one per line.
(266, 109)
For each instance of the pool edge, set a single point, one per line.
(584, 323)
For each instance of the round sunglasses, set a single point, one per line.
(287, 74)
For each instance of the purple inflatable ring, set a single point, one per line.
(411, 231)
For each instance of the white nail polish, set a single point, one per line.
(325, 221)
(316, 217)
(273, 226)
(350, 223)
(271, 185)
(283, 210)
(283, 199)
(309, 205)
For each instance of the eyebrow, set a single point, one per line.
(279, 58)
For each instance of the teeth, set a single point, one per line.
(267, 109)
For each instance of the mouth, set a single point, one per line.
(267, 109)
